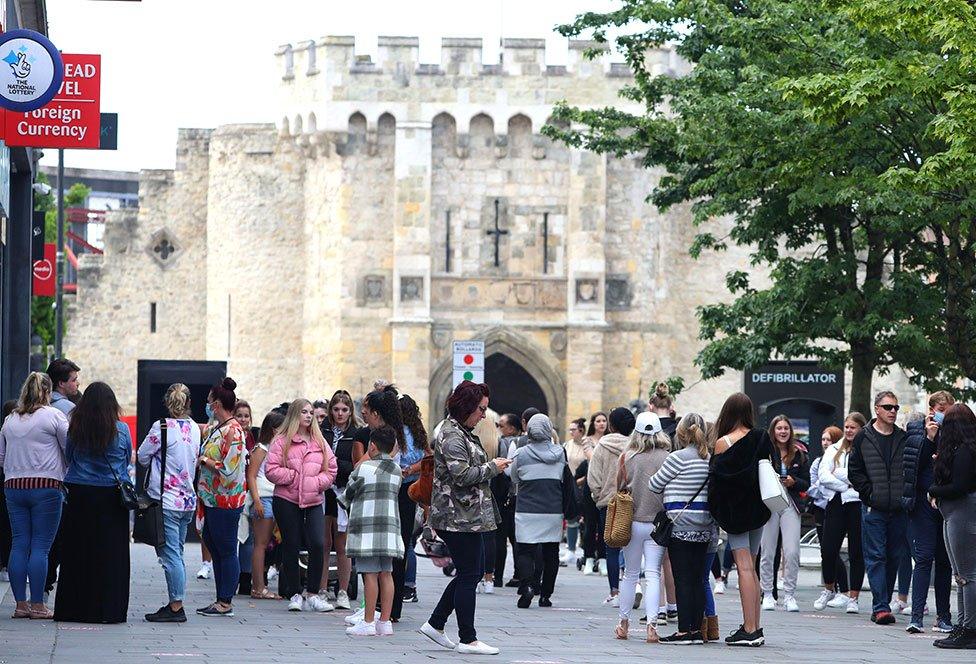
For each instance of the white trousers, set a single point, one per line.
(786, 522)
(645, 554)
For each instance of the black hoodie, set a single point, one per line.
(733, 486)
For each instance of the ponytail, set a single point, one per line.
(386, 402)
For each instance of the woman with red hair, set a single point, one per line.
(461, 510)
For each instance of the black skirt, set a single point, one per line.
(93, 586)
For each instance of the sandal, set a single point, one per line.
(41, 614)
(264, 594)
(652, 636)
(21, 613)
(620, 631)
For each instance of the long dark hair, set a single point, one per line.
(269, 426)
(386, 402)
(591, 430)
(93, 424)
(412, 420)
(737, 410)
(958, 430)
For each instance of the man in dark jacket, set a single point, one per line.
(924, 522)
(876, 471)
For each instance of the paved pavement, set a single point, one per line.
(578, 629)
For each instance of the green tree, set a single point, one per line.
(809, 198)
(42, 308)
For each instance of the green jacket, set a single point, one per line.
(462, 499)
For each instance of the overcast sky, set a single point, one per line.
(202, 63)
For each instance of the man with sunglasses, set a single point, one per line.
(876, 471)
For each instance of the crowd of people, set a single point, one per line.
(682, 500)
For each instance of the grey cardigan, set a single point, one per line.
(34, 445)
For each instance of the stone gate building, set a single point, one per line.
(395, 206)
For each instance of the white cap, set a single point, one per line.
(648, 423)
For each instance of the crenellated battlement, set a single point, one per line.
(324, 82)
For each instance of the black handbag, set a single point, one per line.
(129, 498)
(147, 526)
(664, 526)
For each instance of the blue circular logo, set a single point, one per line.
(31, 70)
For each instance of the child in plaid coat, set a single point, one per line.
(374, 529)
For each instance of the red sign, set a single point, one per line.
(72, 119)
(44, 274)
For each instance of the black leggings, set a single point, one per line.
(592, 536)
(840, 520)
(840, 582)
(294, 521)
(687, 563)
(408, 512)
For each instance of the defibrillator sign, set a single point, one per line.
(72, 119)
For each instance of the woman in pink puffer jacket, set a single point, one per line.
(302, 466)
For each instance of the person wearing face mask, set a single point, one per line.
(876, 471)
(302, 467)
(925, 524)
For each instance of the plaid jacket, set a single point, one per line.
(374, 517)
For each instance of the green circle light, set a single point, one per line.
(468, 375)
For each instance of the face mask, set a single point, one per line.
(937, 417)
(209, 411)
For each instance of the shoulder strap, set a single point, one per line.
(164, 442)
(621, 472)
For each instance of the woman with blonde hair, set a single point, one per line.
(179, 499)
(645, 454)
(32, 456)
(683, 480)
(302, 466)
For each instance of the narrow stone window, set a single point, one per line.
(152, 318)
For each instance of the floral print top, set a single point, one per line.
(224, 486)
(182, 447)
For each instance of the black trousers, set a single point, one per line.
(592, 537)
(459, 595)
(687, 563)
(294, 521)
(528, 564)
(504, 534)
(489, 547)
(840, 582)
(408, 512)
(841, 520)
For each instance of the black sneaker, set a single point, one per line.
(959, 639)
(672, 615)
(545, 602)
(741, 637)
(662, 618)
(167, 615)
(410, 595)
(525, 599)
(513, 583)
(686, 639)
(213, 612)
(644, 619)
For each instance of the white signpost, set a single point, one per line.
(469, 362)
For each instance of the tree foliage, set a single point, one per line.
(746, 138)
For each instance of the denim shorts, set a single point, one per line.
(374, 564)
(268, 512)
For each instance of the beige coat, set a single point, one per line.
(602, 473)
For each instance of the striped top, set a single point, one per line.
(32, 483)
(682, 474)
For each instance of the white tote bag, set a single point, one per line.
(774, 494)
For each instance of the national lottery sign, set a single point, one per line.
(31, 70)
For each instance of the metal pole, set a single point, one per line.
(59, 292)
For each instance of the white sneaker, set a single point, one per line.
(838, 602)
(791, 605)
(825, 596)
(355, 617)
(316, 603)
(362, 628)
(613, 600)
(907, 611)
(476, 648)
(719, 587)
(602, 566)
(342, 600)
(489, 588)
(297, 603)
(205, 571)
(588, 566)
(852, 606)
(899, 606)
(272, 573)
(768, 603)
(4, 574)
(330, 596)
(437, 636)
(568, 558)
(384, 628)
(480, 588)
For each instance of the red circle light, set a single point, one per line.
(468, 359)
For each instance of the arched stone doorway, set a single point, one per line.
(524, 371)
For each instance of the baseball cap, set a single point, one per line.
(648, 423)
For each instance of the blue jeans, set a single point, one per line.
(709, 597)
(885, 543)
(171, 552)
(34, 518)
(220, 536)
(928, 548)
(612, 556)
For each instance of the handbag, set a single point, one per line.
(422, 490)
(771, 489)
(664, 525)
(147, 527)
(128, 496)
(620, 513)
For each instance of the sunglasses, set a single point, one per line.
(890, 407)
